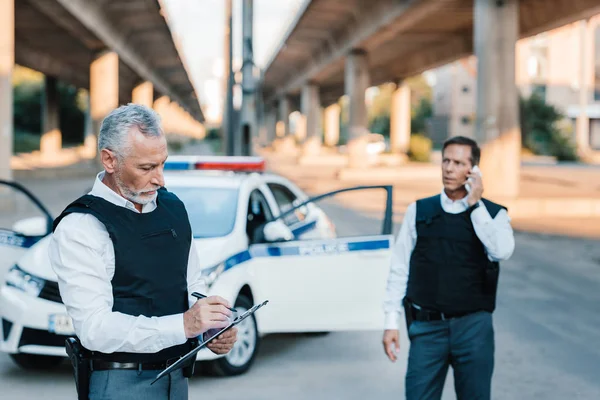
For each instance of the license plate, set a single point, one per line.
(61, 324)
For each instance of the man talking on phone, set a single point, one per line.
(443, 278)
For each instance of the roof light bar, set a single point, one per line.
(215, 163)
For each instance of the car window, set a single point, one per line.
(211, 211)
(258, 214)
(286, 199)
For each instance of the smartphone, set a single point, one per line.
(476, 170)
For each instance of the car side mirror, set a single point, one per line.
(35, 226)
(277, 231)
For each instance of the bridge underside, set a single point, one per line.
(61, 38)
(400, 39)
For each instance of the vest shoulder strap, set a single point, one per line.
(493, 208)
(428, 208)
(83, 205)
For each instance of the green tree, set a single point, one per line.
(540, 132)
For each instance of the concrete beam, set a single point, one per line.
(62, 18)
(95, 19)
(497, 126)
(49, 65)
(375, 19)
(7, 62)
(560, 13)
(421, 61)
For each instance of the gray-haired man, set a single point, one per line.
(126, 267)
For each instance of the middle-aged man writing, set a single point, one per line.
(443, 276)
(126, 266)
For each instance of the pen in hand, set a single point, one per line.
(201, 296)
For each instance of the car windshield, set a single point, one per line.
(211, 210)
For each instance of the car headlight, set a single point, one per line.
(24, 281)
(209, 275)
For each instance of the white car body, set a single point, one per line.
(314, 281)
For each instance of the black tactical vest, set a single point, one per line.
(449, 269)
(151, 259)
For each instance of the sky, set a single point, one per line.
(199, 26)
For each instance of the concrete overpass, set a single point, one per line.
(121, 51)
(337, 47)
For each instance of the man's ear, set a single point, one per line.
(109, 160)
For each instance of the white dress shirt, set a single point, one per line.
(83, 258)
(496, 235)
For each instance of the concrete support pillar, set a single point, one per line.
(400, 119)
(7, 61)
(332, 125)
(283, 125)
(51, 141)
(310, 104)
(104, 90)
(356, 83)
(583, 120)
(498, 130)
(271, 125)
(143, 94)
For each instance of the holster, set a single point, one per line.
(80, 360)
(188, 369)
(408, 314)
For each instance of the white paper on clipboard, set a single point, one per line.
(179, 363)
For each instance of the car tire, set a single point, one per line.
(241, 357)
(36, 362)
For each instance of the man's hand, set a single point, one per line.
(391, 343)
(208, 313)
(476, 184)
(223, 343)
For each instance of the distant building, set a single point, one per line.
(549, 63)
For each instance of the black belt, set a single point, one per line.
(99, 365)
(421, 314)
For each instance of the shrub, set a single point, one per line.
(420, 147)
(541, 130)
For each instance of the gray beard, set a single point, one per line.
(134, 197)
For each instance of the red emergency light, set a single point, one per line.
(216, 163)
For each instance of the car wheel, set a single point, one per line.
(241, 356)
(35, 361)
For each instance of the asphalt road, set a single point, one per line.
(547, 328)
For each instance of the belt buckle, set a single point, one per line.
(171, 361)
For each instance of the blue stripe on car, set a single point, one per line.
(10, 238)
(334, 246)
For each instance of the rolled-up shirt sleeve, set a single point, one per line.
(399, 268)
(496, 234)
(77, 253)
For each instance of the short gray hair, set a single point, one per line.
(116, 126)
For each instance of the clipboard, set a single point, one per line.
(179, 363)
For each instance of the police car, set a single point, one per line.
(259, 237)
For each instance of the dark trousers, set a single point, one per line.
(466, 343)
(131, 385)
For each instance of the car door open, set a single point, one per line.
(326, 284)
(22, 224)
